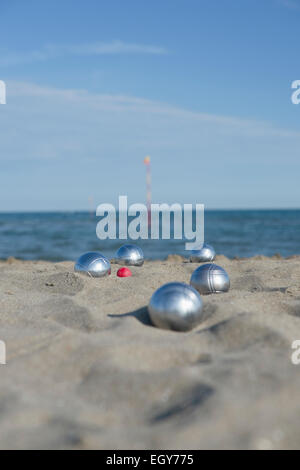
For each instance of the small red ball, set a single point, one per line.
(124, 272)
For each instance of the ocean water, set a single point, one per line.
(65, 235)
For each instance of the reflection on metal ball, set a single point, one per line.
(130, 255)
(204, 255)
(210, 279)
(93, 264)
(176, 306)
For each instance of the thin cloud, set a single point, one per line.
(292, 4)
(83, 143)
(53, 51)
(124, 103)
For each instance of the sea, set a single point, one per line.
(58, 236)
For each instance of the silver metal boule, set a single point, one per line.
(130, 255)
(93, 264)
(176, 306)
(205, 254)
(210, 279)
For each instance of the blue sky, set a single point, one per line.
(202, 86)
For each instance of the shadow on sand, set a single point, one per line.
(140, 314)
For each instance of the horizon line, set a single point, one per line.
(89, 211)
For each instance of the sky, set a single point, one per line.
(202, 86)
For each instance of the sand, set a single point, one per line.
(87, 370)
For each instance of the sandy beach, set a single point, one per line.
(87, 370)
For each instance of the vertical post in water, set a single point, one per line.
(148, 184)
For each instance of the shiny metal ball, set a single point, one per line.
(93, 264)
(210, 279)
(130, 255)
(176, 306)
(204, 255)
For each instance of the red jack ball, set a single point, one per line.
(124, 272)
